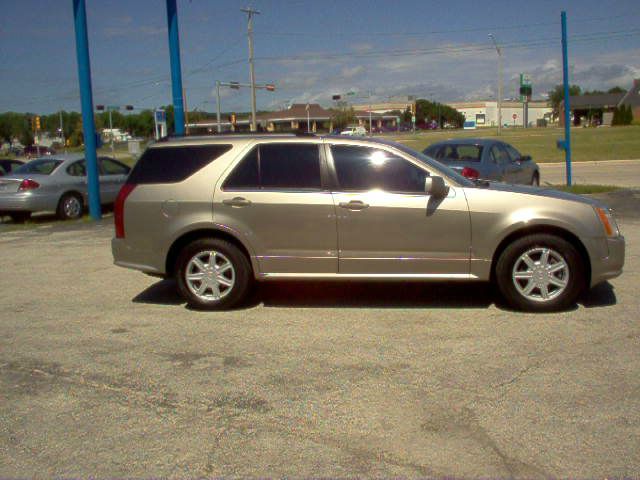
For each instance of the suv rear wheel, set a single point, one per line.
(540, 273)
(213, 274)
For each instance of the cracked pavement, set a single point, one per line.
(104, 372)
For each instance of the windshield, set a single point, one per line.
(455, 176)
(43, 166)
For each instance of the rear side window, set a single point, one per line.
(110, 166)
(276, 166)
(77, 169)
(174, 164)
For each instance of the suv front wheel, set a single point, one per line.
(540, 273)
(213, 274)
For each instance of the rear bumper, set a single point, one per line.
(126, 256)
(610, 266)
(27, 202)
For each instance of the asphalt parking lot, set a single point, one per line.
(104, 372)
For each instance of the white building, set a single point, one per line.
(116, 134)
(485, 113)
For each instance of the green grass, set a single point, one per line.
(583, 189)
(587, 144)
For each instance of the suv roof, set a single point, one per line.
(245, 138)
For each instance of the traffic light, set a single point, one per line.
(270, 87)
(336, 97)
(37, 122)
(234, 85)
(128, 107)
(100, 107)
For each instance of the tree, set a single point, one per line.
(616, 90)
(343, 117)
(556, 97)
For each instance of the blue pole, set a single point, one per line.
(567, 105)
(176, 74)
(86, 99)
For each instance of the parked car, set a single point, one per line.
(217, 213)
(7, 165)
(37, 151)
(486, 159)
(59, 184)
(355, 131)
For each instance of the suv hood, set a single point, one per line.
(540, 192)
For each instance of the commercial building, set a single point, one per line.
(598, 109)
(485, 113)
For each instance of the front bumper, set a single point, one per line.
(611, 265)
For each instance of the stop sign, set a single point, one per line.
(515, 115)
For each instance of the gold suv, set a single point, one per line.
(219, 212)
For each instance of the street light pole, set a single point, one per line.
(250, 12)
(499, 50)
(111, 129)
(218, 105)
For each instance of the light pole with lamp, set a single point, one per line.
(499, 50)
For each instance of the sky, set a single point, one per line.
(311, 50)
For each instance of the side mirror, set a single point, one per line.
(435, 187)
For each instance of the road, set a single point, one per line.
(624, 173)
(105, 373)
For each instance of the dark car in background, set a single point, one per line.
(38, 151)
(7, 165)
(486, 159)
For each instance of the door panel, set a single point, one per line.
(274, 199)
(399, 233)
(387, 224)
(290, 232)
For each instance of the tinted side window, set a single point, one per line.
(513, 153)
(289, 166)
(245, 175)
(362, 169)
(77, 169)
(112, 167)
(500, 155)
(278, 166)
(174, 164)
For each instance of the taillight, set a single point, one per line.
(470, 173)
(28, 184)
(118, 208)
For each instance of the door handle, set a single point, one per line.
(237, 202)
(354, 205)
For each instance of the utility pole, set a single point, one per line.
(250, 13)
(111, 129)
(61, 130)
(499, 50)
(370, 125)
(186, 112)
(218, 105)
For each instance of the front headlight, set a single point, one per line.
(608, 221)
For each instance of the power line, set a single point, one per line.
(435, 32)
(459, 49)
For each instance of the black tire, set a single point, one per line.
(559, 299)
(230, 296)
(70, 206)
(20, 217)
(535, 179)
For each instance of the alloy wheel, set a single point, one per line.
(540, 274)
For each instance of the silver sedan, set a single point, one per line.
(57, 183)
